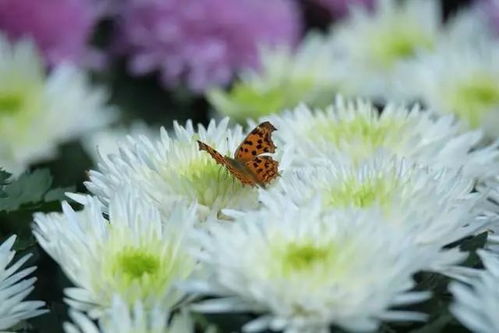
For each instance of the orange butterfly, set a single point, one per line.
(247, 165)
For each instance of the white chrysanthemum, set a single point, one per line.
(355, 131)
(120, 318)
(107, 141)
(286, 78)
(476, 305)
(373, 45)
(14, 288)
(434, 207)
(463, 81)
(173, 168)
(38, 112)
(304, 270)
(134, 253)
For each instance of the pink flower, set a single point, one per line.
(339, 8)
(203, 42)
(60, 28)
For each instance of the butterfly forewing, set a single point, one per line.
(236, 168)
(219, 158)
(259, 141)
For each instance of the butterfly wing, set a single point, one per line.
(237, 169)
(264, 169)
(259, 141)
(219, 158)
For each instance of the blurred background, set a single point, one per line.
(156, 61)
(156, 81)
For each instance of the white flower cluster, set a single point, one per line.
(14, 288)
(365, 199)
(403, 52)
(399, 51)
(477, 301)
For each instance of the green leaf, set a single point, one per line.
(28, 188)
(4, 177)
(58, 194)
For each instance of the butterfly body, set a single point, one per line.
(247, 165)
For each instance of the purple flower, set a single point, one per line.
(491, 9)
(203, 42)
(339, 8)
(60, 28)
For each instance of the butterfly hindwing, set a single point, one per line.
(264, 168)
(242, 172)
(259, 141)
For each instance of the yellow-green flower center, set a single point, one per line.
(209, 182)
(317, 260)
(362, 194)
(134, 263)
(299, 257)
(397, 44)
(360, 136)
(475, 97)
(10, 103)
(140, 271)
(250, 101)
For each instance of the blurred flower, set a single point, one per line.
(463, 81)
(339, 8)
(490, 10)
(38, 112)
(134, 253)
(476, 305)
(285, 78)
(433, 207)
(14, 288)
(372, 45)
(173, 168)
(354, 131)
(60, 28)
(107, 140)
(203, 42)
(304, 271)
(120, 318)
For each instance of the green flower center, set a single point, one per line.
(474, 97)
(201, 179)
(363, 194)
(247, 100)
(299, 257)
(10, 103)
(135, 263)
(360, 136)
(140, 271)
(397, 44)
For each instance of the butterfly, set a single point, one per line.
(248, 165)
